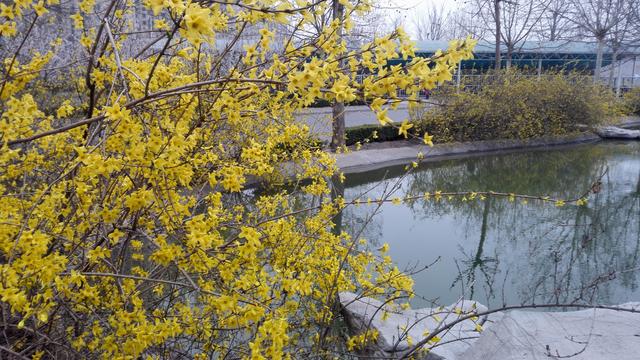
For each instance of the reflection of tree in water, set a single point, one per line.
(362, 221)
(487, 266)
(355, 221)
(536, 173)
(568, 254)
(597, 249)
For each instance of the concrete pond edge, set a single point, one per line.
(584, 333)
(376, 158)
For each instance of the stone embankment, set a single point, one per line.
(591, 333)
(614, 132)
(381, 155)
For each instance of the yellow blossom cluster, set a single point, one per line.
(127, 226)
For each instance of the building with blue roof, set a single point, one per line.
(544, 55)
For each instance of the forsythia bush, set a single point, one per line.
(126, 230)
(632, 101)
(510, 105)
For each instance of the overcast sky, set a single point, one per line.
(408, 8)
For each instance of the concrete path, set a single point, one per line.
(404, 152)
(379, 155)
(319, 119)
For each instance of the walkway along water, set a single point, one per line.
(380, 155)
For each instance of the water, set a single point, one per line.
(496, 251)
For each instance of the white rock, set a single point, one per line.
(577, 335)
(613, 132)
(514, 335)
(363, 313)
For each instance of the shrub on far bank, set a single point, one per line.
(510, 105)
(377, 133)
(632, 101)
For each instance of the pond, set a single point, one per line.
(498, 251)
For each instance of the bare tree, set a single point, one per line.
(366, 28)
(554, 24)
(338, 124)
(621, 39)
(496, 20)
(431, 25)
(509, 22)
(489, 11)
(598, 19)
(464, 22)
(519, 19)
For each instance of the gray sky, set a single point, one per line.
(409, 8)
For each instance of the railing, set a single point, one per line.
(474, 82)
(628, 82)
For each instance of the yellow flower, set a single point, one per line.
(116, 113)
(156, 7)
(161, 24)
(78, 21)
(383, 118)
(65, 109)
(86, 41)
(6, 11)
(87, 6)
(198, 24)
(40, 9)
(428, 139)
(404, 127)
(8, 29)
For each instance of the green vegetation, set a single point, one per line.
(377, 133)
(632, 101)
(510, 105)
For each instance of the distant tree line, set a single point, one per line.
(611, 24)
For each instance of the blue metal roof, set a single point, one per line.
(538, 47)
(566, 55)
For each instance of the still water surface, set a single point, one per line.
(496, 251)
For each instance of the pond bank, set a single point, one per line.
(586, 332)
(380, 155)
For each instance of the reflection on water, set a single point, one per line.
(496, 251)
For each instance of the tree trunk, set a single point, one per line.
(496, 6)
(477, 260)
(539, 67)
(633, 72)
(338, 126)
(509, 56)
(619, 79)
(553, 27)
(596, 72)
(338, 133)
(613, 68)
(337, 192)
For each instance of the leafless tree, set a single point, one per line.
(598, 19)
(464, 22)
(395, 19)
(519, 20)
(366, 28)
(510, 22)
(338, 124)
(431, 25)
(489, 13)
(554, 24)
